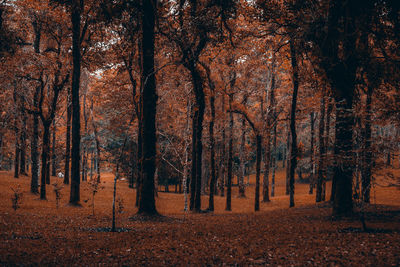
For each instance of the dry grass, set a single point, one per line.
(39, 234)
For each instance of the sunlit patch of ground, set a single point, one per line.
(40, 234)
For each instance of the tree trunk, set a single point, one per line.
(222, 157)
(22, 166)
(212, 152)
(45, 157)
(321, 158)
(68, 139)
(228, 206)
(194, 161)
(258, 164)
(327, 163)
(53, 151)
(147, 204)
(293, 146)
(17, 156)
(343, 170)
(76, 74)
(273, 160)
(367, 161)
(242, 160)
(312, 163)
(287, 191)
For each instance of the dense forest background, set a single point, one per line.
(200, 94)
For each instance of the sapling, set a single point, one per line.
(16, 197)
(57, 190)
(94, 187)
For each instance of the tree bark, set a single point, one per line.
(273, 160)
(76, 74)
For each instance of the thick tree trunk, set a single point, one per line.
(321, 156)
(147, 204)
(343, 170)
(45, 157)
(293, 145)
(228, 206)
(312, 163)
(367, 160)
(76, 74)
(68, 139)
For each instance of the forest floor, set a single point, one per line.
(39, 233)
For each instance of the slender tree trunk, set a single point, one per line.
(35, 135)
(68, 139)
(228, 206)
(1, 151)
(367, 161)
(223, 150)
(242, 160)
(22, 165)
(17, 156)
(212, 153)
(287, 191)
(273, 160)
(312, 163)
(321, 158)
(76, 74)
(293, 145)
(194, 165)
(45, 157)
(147, 204)
(327, 163)
(267, 159)
(53, 151)
(258, 165)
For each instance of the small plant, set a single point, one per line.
(16, 198)
(95, 186)
(120, 205)
(57, 190)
